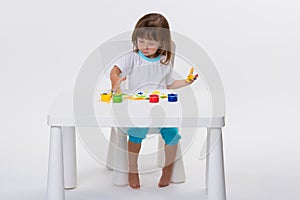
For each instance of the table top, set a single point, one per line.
(196, 111)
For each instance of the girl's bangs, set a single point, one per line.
(148, 33)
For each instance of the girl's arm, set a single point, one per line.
(178, 84)
(181, 83)
(116, 79)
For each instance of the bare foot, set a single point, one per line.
(133, 180)
(165, 178)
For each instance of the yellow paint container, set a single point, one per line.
(105, 97)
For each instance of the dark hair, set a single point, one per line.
(154, 26)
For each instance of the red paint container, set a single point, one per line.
(154, 98)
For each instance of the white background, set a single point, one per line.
(254, 44)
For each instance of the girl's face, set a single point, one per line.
(148, 47)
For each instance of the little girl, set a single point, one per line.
(149, 66)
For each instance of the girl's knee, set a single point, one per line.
(170, 136)
(137, 135)
(135, 139)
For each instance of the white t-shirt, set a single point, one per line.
(145, 73)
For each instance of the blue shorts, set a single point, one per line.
(169, 135)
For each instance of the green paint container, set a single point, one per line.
(117, 98)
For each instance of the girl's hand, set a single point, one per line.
(117, 83)
(191, 78)
(190, 81)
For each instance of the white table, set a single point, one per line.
(62, 122)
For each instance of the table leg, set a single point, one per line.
(69, 155)
(215, 165)
(55, 186)
(207, 158)
(110, 158)
(120, 173)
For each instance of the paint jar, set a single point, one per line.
(172, 97)
(105, 97)
(117, 98)
(154, 98)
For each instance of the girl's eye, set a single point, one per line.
(151, 44)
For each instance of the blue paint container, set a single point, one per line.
(172, 97)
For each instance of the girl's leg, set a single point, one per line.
(170, 153)
(133, 175)
(136, 135)
(171, 138)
